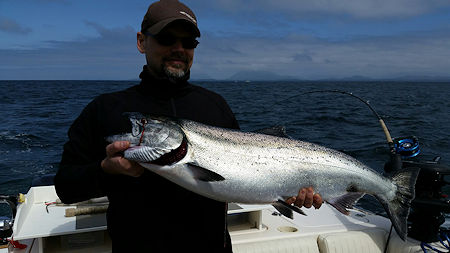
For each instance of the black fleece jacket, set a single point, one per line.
(148, 213)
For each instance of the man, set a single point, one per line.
(146, 212)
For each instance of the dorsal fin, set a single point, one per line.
(279, 131)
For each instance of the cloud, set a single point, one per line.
(361, 9)
(307, 57)
(10, 26)
(54, 1)
(112, 55)
(302, 57)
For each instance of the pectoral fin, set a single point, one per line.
(203, 174)
(144, 154)
(286, 209)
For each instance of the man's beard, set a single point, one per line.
(176, 72)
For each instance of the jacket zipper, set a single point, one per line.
(174, 109)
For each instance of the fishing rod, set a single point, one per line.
(430, 203)
(406, 146)
(395, 162)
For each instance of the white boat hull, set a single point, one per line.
(252, 229)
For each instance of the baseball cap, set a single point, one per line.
(164, 12)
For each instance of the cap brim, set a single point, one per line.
(158, 27)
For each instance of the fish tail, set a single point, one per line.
(398, 207)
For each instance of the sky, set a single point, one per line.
(309, 40)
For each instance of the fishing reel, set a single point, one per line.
(406, 147)
(431, 203)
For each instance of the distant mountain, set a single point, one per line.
(422, 79)
(202, 77)
(259, 75)
(398, 79)
(357, 78)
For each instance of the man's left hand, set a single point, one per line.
(307, 198)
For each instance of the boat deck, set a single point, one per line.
(253, 228)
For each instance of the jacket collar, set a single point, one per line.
(162, 87)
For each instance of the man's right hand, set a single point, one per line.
(114, 163)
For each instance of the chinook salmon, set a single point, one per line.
(254, 168)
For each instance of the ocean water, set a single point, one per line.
(35, 117)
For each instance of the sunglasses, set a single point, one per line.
(169, 40)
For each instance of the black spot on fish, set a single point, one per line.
(352, 188)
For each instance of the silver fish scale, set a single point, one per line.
(265, 168)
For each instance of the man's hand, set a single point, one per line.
(114, 163)
(307, 198)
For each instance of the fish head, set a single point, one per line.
(150, 137)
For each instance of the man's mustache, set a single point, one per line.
(177, 57)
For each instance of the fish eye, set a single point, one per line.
(136, 130)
